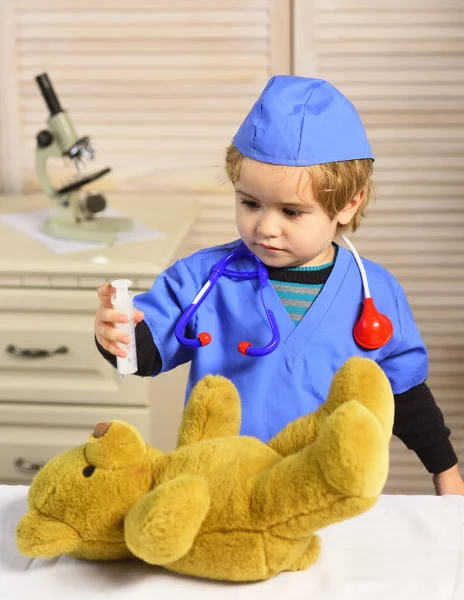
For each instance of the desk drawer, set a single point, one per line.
(78, 374)
(21, 414)
(61, 341)
(23, 449)
(49, 300)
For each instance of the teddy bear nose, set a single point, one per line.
(101, 429)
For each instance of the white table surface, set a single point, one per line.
(405, 548)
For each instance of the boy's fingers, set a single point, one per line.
(104, 293)
(108, 331)
(138, 316)
(109, 315)
(110, 347)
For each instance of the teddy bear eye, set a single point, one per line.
(88, 471)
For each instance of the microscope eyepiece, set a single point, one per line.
(48, 93)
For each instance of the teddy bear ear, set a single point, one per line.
(115, 445)
(43, 537)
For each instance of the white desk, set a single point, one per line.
(47, 301)
(405, 548)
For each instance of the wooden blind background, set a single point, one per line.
(161, 86)
(402, 65)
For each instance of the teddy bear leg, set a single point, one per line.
(213, 410)
(309, 556)
(363, 380)
(353, 452)
(296, 435)
(358, 379)
(339, 476)
(161, 527)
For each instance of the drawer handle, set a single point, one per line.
(35, 352)
(24, 465)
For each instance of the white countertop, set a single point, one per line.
(405, 548)
(24, 261)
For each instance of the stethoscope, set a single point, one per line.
(371, 331)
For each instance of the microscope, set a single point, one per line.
(79, 212)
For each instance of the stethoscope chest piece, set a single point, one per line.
(373, 329)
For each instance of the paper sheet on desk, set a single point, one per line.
(31, 224)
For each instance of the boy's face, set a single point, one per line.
(278, 217)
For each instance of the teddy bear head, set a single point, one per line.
(78, 501)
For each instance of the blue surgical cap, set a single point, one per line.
(300, 122)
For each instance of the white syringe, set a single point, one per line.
(122, 302)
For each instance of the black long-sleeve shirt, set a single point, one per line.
(419, 422)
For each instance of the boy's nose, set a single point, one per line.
(268, 226)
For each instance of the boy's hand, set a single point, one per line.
(449, 482)
(105, 331)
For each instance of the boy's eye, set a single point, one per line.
(291, 213)
(250, 204)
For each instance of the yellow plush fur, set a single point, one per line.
(220, 506)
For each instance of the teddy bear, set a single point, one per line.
(220, 506)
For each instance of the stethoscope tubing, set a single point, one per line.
(373, 330)
(219, 270)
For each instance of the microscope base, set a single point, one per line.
(100, 229)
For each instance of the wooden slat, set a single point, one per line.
(142, 31)
(149, 47)
(423, 134)
(107, 118)
(392, 189)
(153, 17)
(391, 19)
(26, 6)
(147, 145)
(430, 213)
(138, 60)
(33, 105)
(424, 176)
(390, 6)
(10, 156)
(399, 32)
(150, 90)
(161, 75)
(381, 90)
(423, 62)
(122, 131)
(412, 104)
(396, 47)
(398, 76)
(405, 247)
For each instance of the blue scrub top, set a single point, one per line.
(294, 379)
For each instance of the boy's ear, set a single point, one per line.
(348, 212)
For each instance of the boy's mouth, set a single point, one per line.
(271, 248)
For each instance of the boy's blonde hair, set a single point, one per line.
(334, 184)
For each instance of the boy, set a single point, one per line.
(301, 165)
